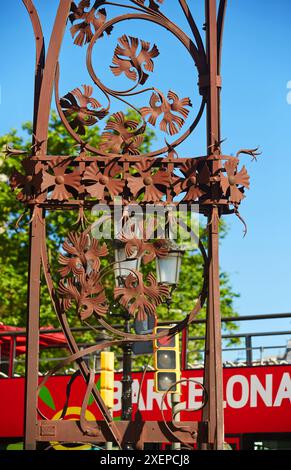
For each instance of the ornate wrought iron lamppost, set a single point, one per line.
(118, 167)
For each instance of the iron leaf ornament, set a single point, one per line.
(172, 110)
(234, 183)
(81, 108)
(82, 253)
(141, 299)
(127, 61)
(88, 21)
(80, 281)
(122, 135)
(87, 293)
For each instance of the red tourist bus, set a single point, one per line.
(257, 407)
(257, 404)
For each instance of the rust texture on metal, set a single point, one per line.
(119, 167)
(76, 182)
(132, 431)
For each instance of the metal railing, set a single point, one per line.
(8, 364)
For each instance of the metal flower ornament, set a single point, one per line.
(235, 181)
(126, 59)
(60, 180)
(141, 299)
(160, 106)
(122, 135)
(94, 274)
(102, 182)
(76, 107)
(88, 22)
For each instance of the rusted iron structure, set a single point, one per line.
(78, 181)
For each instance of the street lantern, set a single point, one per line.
(124, 265)
(168, 268)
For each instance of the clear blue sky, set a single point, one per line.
(256, 70)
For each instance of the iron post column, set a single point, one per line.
(32, 334)
(126, 399)
(44, 78)
(213, 411)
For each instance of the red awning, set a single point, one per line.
(47, 340)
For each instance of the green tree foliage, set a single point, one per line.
(14, 233)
